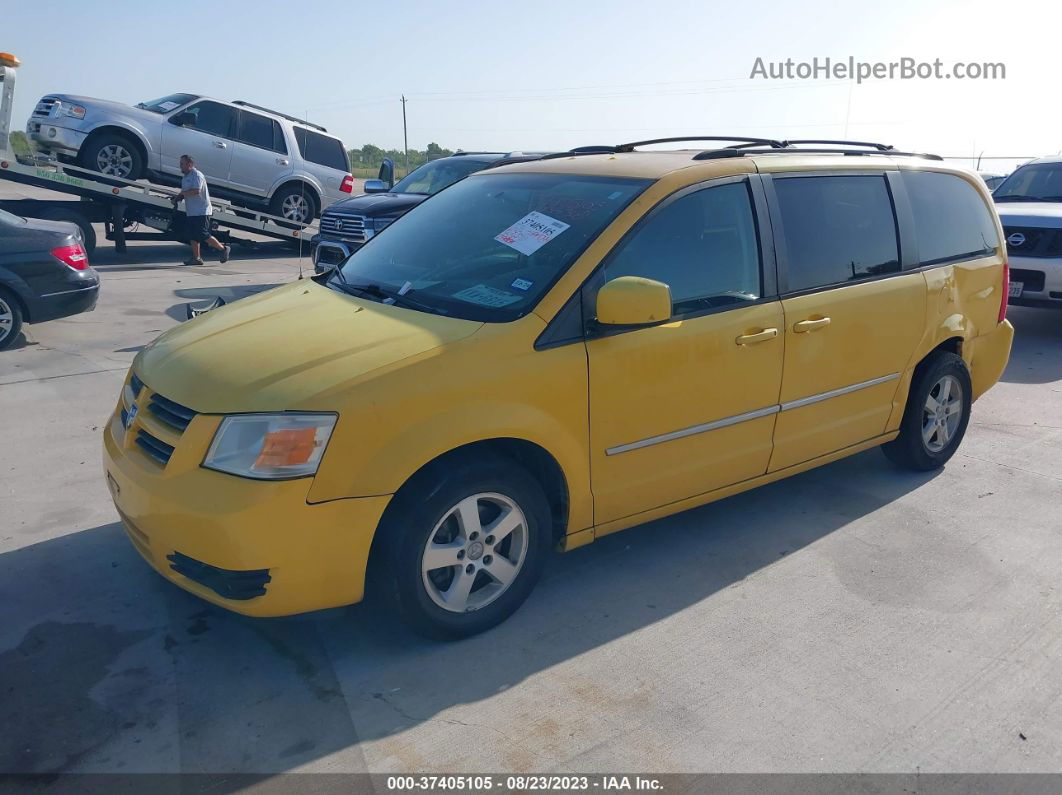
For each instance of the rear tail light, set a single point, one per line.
(1006, 293)
(72, 256)
(348, 184)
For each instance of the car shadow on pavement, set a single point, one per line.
(1035, 356)
(107, 667)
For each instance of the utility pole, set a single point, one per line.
(405, 136)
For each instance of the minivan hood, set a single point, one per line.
(1047, 214)
(375, 204)
(284, 347)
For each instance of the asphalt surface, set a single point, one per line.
(853, 618)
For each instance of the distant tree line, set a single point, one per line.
(370, 156)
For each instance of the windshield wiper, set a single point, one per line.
(1010, 197)
(382, 295)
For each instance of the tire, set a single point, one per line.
(10, 319)
(112, 154)
(429, 511)
(929, 437)
(296, 203)
(88, 234)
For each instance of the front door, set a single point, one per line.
(206, 134)
(852, 318)
(687, 406)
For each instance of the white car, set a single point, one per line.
(250, 155)
(1030, 206)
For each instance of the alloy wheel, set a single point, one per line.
(7, 319)
(296, 208)
(942, 413)
(115, 160)
(475, 552)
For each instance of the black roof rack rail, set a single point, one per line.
(830, 142)
(295, 119)
(715, 154)
(581, 150)
(745, 141)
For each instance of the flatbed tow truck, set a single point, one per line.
(121, 205)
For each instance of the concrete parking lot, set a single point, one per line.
(853, 618)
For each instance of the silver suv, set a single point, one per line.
(250, 155)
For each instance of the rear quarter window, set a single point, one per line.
(952, 221)
(321, 149)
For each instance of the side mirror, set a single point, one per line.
(633, 301)
(182, 118)
(387, 172)
(375, 186)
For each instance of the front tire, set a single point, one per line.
(10, 319)
(936, 416)
(113, 155)
(465, 545)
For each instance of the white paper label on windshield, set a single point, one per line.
(487, 296)
(531, 232)
(167, 106)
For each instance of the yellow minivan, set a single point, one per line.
(552, 351)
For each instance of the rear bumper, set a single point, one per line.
(64, 304)
(989, 354)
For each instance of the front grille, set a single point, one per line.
(136, 385)
(170, 412)
(156, 448)
(44, 107)
(1031, 280)
(347, 227)
(229, 584)
(1038, 241)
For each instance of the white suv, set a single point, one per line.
(250, 155)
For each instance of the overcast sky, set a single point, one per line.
(550, 75)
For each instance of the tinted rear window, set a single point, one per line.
(952, 221)
(258, 130)
(321, 149)
(837, 229)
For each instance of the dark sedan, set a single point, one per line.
(44, 273)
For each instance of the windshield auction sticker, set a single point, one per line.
(487, 296)
(531, 232)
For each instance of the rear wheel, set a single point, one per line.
(937, 414)
(10, 319)
(295, 203)
(465, 546)
(112, 154)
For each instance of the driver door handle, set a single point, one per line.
(805, 326)
(759, 336)
(219, 144)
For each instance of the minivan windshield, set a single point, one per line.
(488, 247)
(167, 103)
(432, 177)
(1039, 182)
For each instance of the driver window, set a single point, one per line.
(211, 118)
(703, 246)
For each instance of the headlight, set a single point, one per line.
(270, 446)
(380, 224)
(74, 111)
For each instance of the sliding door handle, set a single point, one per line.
(759, 336)
(805, 326)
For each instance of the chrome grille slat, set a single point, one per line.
(353, 227)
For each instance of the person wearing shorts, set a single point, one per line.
(197, 210)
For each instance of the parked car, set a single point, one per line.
(44, 274)
(348, 224)
(992, 180)
(1030, 206)
(554, 350)
(250, 155)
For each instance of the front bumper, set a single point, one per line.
(51, 136)
(1041, 279)
(254, 547)
(328, 252)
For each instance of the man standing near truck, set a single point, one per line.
(197, 211)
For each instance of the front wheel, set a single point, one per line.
(937, 413)
(465, 546)
(113, 155)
